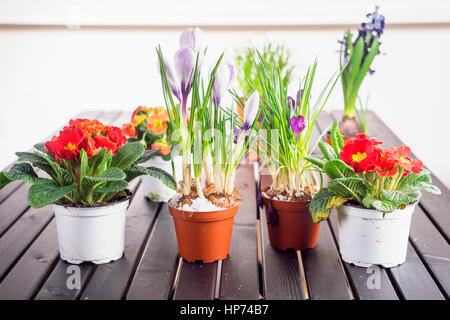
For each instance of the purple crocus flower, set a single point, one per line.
(222, 80)
(297, 124)
(184, 65)
(171, 79)
(251, 109)
(193, 38)
(291, 102)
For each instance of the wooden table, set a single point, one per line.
(30, 267)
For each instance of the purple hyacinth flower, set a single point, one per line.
(297, 124)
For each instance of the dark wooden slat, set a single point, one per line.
(359, 276)
(111, 281)
(432, 247)
(239, 278)
(55, 287)
(13, 207)
(196, 281)
(29, 272)
(19, 237)
(324, 273)
(282, 277)
(281, 270)
(156, 271)
(413, 280)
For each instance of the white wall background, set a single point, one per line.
(49, 72)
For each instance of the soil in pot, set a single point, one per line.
(289, 222)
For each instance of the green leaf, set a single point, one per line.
(84, 165)
(337, 142)
(89, 184)
(404, 195)
(154, 172)
(114, 186)
(316, 161)
(413, 179)
(37, 161)
(148, 154)
(350, 188)
(21, 171)
(40, 147)
(41, 195)
(336, 169)
(127, 155)
(423, 186)
(61, 175)
(320, 206)
(327, 151)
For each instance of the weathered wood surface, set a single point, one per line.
(30, 267)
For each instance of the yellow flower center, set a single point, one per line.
(70, 146)
(158, 123)
(138, 119)
(359, 156)
(404, 160)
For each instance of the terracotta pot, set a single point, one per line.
(203, 236)
(293, 227)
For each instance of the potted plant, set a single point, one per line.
(150, 127)
(88, 167)
(375, 191)
(206, 203)
(356, 57)
(286, 128)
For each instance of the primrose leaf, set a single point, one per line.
(327, 151)
(423, 186)
(21, 171)
(350, 188)
(338, 169)
(154, 172)
(148, 154)
(404, 195)
(337, 142)
(114, 186)
(127, 155)
(316, 161)
(320, 206)
(41, 195)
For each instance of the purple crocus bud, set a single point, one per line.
(299, 96)
(251, 109)
(192, 38)
(273, 217)
(185, 65)
(222, 80)
(297, 124)
(291, 102)
(171, 78)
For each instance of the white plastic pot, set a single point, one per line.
(153, 188)
(368, 237)
(91, 234)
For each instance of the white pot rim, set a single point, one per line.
(370, 213)
(92, 211)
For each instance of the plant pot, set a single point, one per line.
(293, 227)
(203, 236)
(367, 236)
(91, 234)
(153, 188)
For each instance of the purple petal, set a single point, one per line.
(184, 65)
(292, 102)
(220, 82)
(171, 79)
(192, 38)
(251, 108)
(273, 217)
